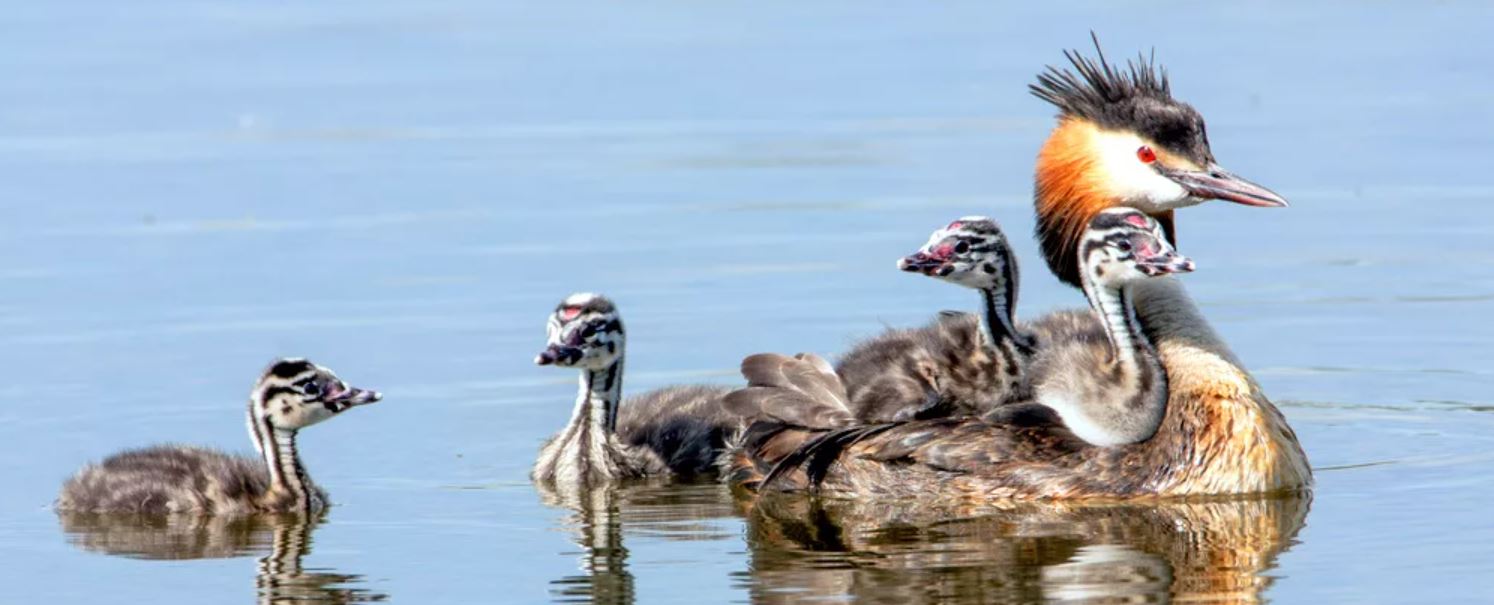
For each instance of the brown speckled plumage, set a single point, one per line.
(172, 479)
(942, 369)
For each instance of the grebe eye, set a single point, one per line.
(1123, 245)
(1146, 155)
(312, 388)
(962, 247)
(589, 331)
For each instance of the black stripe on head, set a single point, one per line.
(983, 234)
(289, 368)
(1129, 219)
(275, 391)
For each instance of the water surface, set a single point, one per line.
(403, 191)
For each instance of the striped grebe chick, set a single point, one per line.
(1121, 140)
(292, 394)
(678, 430)
(960, 364)
(1111, 390)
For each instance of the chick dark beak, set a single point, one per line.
(1219, 184)
(923, 262)
(1163, 264)
(557, 354)
(350, 396)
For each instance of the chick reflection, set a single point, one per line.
(658, 509)
(597, 527)
(805, 549)
(281, 578)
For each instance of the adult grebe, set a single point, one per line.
(1121, 140)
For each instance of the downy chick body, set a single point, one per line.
(678, 430)
(292, 394)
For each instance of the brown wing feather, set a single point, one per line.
(790, 390)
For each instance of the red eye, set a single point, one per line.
(1146, 155)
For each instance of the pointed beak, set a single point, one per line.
(1219, 184)
(558, 355)
(350, 396)
(1162, 264)
(925, 263)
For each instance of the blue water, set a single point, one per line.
(403, 191)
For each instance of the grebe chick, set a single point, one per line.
(679, 430)
(1112, 390)
(960, 364)
(292, 394)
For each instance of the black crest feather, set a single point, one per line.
(1098, 86)
(1134, 97)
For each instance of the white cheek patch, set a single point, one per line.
(1126, 177)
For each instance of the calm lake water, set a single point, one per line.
(403, 191)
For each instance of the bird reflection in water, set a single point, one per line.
(596, 525)
(806, 549)
(280, 576)
(658, 509)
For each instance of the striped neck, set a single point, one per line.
(1133, 358)
(290, 487)
(601, 391)
(1117, 314)
(999, 322)
(582, 451)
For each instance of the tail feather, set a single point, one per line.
(799, 391)
(804, 421)
(816, 455)
(763, 443)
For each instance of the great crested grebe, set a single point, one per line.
(292, 394)
(675, 430)
(1121, 140)
(960, 364)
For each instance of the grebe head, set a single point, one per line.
(295, 393)
(971, 252)
(1122, 140)
(585, 331)
(1124, 245)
